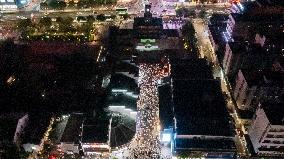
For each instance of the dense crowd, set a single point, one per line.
(146, 142)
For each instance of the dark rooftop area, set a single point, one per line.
(245, 114)
(171, 32)
(191, 69)
(206, 144)
(142, 21)
(121, 99)
(95, 131)
(263, 77)
(122, 130)
(200, 108)
(120, 81)
(256, 17)
(271, 2)
(274, 112)
(38, 122)
(72, 129)
(165, 106)
(8, 125)
(238, 47)
(218, 19)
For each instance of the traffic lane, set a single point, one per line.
(203, 40)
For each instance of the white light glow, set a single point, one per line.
(166, 137)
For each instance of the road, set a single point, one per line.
(206, 50)
(146, 143)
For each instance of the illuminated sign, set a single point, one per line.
(147, 40)
(166, 137)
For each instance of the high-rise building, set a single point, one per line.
(267, 130)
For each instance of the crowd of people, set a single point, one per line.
(146, 142)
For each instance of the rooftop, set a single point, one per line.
(171, 32)
(38, 122)
(238, 47)
(190, 69)
(263, 77)
(254, 16)
(95, 131)
(73, 128)
(152, 21)
(122, 130)
(165, 106)
(274, 112)
(8, 125)
(200, 108)
(217, 19)
(206, 144)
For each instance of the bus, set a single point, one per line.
(121, 11)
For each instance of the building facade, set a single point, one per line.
(267, 130)
(254, 86)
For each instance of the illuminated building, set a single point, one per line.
(254, 86)
(147, 35)
(12, 5)
(8, 5)
(95, 137)
(267, 130)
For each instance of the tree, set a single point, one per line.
(86, 28)
(68, 20)
(23, 24)
(188, 33)
(59, 19)
(179, 12)
(26, 27)
(188, 29)
(185, 12)
(43, 5)
(125, 16)
(101, 17)
(45, 22)
(110, 1)
(71, 3)
(83, 3)
(65, 25)
(90, 19)
(57, 4)
(202, 13)
(62, 5)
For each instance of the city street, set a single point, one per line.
(146, 143)
(206, 51)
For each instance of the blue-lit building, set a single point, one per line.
(7, 5)
(21, 3)
(12, 5)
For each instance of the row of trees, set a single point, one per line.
(54, 4)
(57, 4)
(206, 1)
(91, 3)
(62, 26)
(188, 33)
(186, 12)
